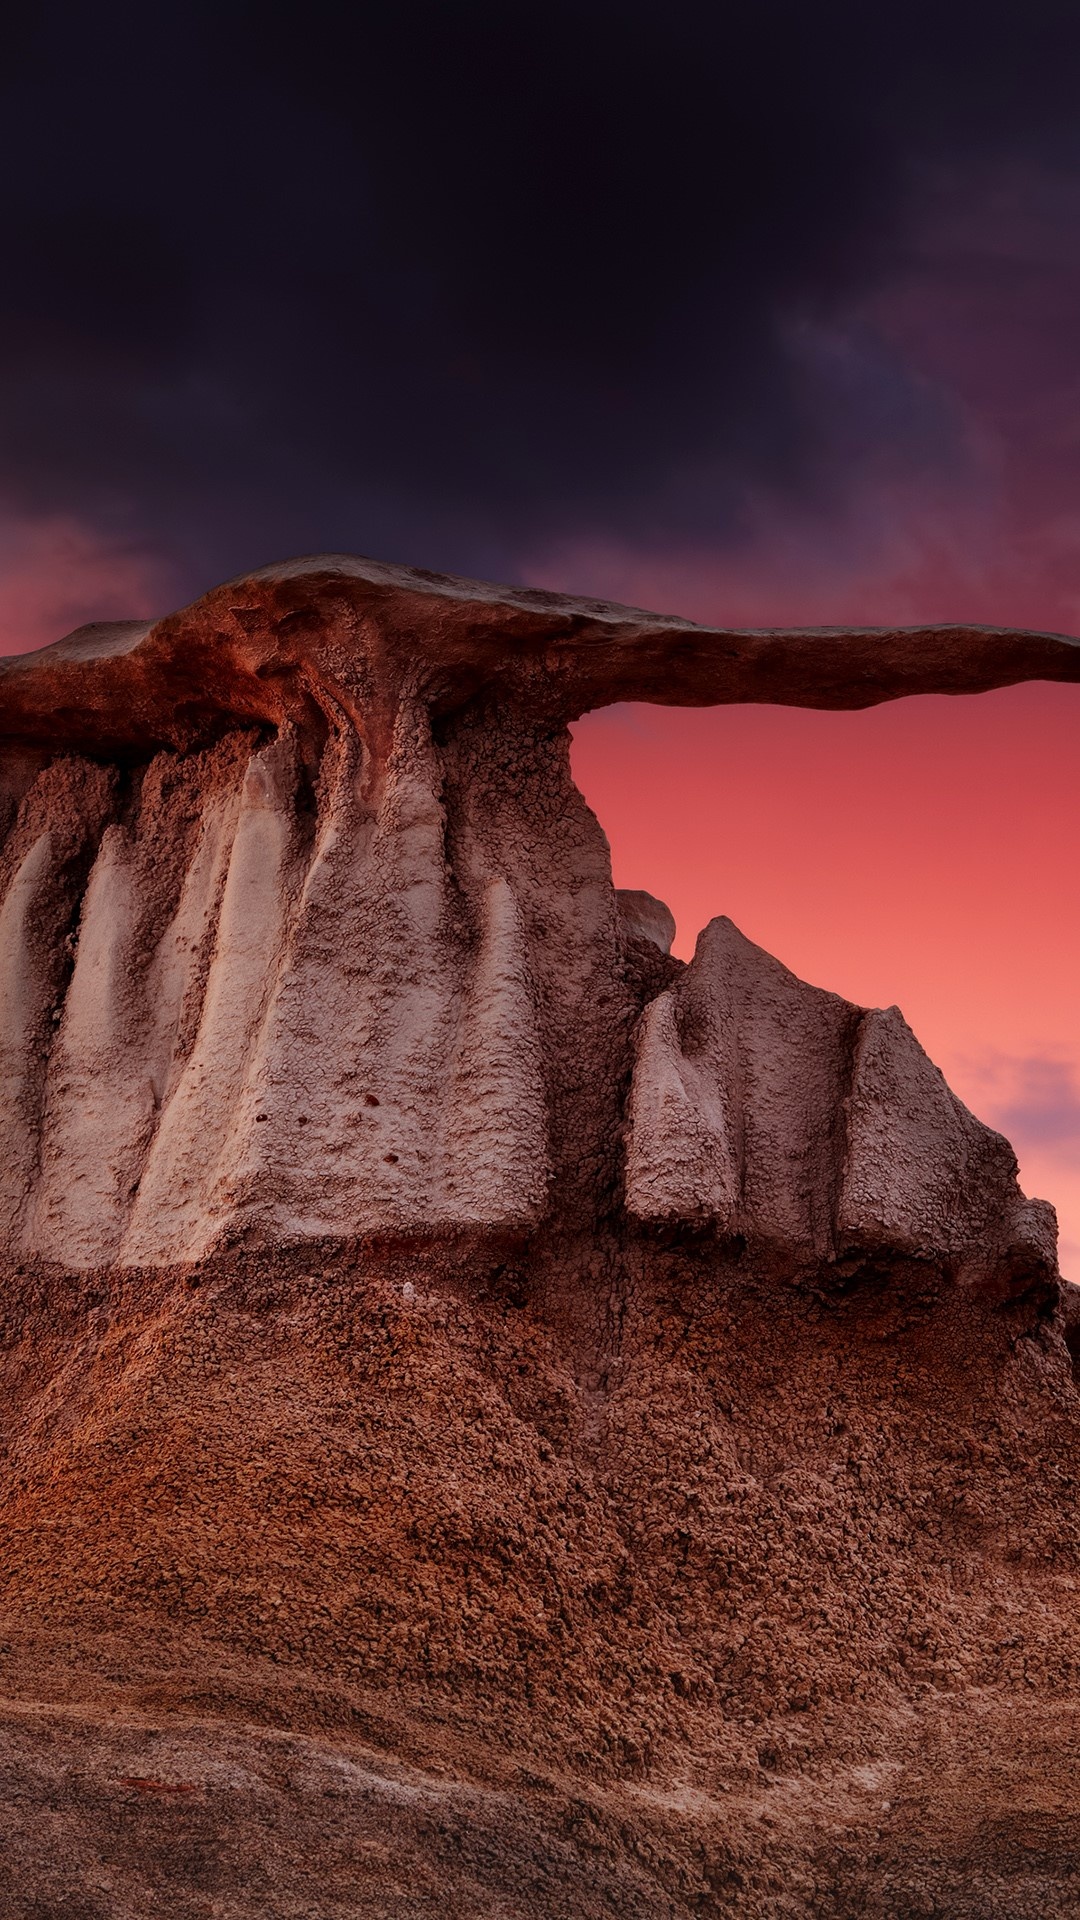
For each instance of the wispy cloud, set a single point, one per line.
(57, 571)
(1033, 1098)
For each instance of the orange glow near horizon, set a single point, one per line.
(921, 853)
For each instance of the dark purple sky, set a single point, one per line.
(774, 299)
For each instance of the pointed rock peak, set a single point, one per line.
(817, 1131)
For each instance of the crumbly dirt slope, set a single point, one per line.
(627, 1583)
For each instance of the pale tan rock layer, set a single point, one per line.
(306, 932)
(239, 1007)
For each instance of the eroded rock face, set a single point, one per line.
(306, 932)
(253, 999)
(497, 1419)
(820, 1131)
(643, 917)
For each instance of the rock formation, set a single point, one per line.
(544, 1428)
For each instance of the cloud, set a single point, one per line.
(1036, 1099)
(463, 284)
(903, 549)
(56, 572)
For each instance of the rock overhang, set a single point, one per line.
(257, 647)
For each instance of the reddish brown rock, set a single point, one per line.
(643, 917)
(498, 1421)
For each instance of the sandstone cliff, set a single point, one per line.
(498, 1417)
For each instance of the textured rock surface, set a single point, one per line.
(815, 1130)
(498, 1421)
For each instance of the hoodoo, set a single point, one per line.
(499, 1419)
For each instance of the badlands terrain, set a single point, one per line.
(499, 1422)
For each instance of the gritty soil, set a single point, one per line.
(600, 1578)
